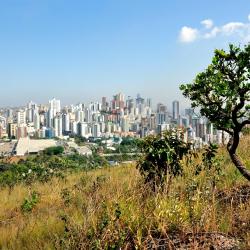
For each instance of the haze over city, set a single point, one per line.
(83, 50)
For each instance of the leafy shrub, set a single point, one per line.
(29, 203)
(54, 150)
(210, 164)
(46, 166)
(162, 157)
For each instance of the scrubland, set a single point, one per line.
(112, 208)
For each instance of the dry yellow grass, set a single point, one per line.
(112, 207)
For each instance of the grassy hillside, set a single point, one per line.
(112, 208)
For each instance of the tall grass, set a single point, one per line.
(113, 208)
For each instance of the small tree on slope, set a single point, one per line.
(222, 92)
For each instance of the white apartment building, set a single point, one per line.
(21, 117)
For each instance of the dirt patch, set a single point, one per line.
(13, 159)
(210, 241)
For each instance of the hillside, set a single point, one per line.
(112, 208)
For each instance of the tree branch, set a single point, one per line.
(244, 123)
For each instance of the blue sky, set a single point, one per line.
(83, 50)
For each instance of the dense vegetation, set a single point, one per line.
(46, 166)
(162, 158)
(110, 208)
(54, 150)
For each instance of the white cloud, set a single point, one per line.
(242, 30)
(212, 33)
(207, 23)
(230, 28)
(188, 34)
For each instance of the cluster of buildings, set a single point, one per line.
(118, 117)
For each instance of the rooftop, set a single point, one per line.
(26, 145)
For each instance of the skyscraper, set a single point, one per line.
(58, 126)
(176, 111)
(65, 123)
(149, 103)
(21, 117)
(118, 101)
(31, 110)
(36, 120)
(104, 104)
(54, 106)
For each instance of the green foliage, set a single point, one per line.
(80, 140)
(222, 92)
(104, 219)
(163, 155)
(122, 157)
(30, 203)
(44, 167)
(129, 145)
(208, 158)
(54, 150)
(223, 89)
(98, 160)
(210, 164)
(209, 154)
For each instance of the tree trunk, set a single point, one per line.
(237, 162)
(232, 147)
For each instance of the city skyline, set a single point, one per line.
(155, 103)
(119, 116)
(88, 49)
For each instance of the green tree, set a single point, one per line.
(54, 150)
(222, 92)
(162, 157)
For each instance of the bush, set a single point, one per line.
(54, 150)
(29, 203)
(162, 157)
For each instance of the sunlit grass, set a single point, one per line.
(113, 207)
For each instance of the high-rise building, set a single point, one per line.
(176, 110)
(21, 117)
(139, 100)
(152, 122)
(3, 122)
(73, 127)
(161, 118)
(55, 107)
(83, 129)
(49, 132)
(49, 118)
(79, 116)
(2, 131)
(36, 121)
(31, 109)
(66, 123)
(125, 124)
(12, 127)
(161, 108)
(149, 103)
(118, 102)
(10, 113)
(96, 130)
(104, 104)
(87, 115)
(58, 126)
(189, 113)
